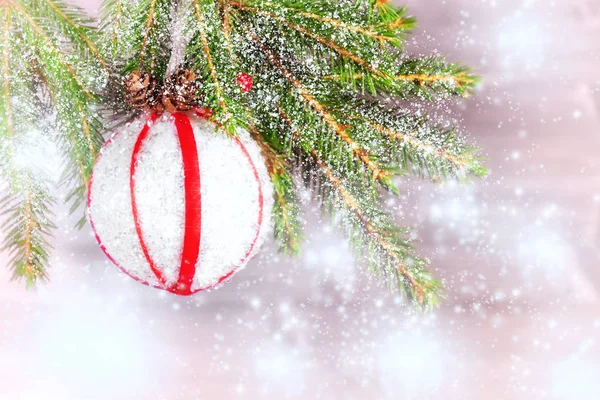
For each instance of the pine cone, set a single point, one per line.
(143, 91)
(180, 91)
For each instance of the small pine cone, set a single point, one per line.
(180, 91)
(142, 91)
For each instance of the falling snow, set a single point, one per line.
(519, 254)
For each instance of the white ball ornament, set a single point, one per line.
(178, 205)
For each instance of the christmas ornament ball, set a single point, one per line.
(177, 204)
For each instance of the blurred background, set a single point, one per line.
(519, 253)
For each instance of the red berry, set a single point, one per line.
(245, 82)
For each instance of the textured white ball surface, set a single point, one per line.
(153, 204)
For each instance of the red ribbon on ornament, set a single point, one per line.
(193, 203)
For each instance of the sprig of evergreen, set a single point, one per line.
(48, 52)
(324, 65)
(370, 229)
(321, 72)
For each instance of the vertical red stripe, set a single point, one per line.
(193, 204)
(205, 114)
(136, 219)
